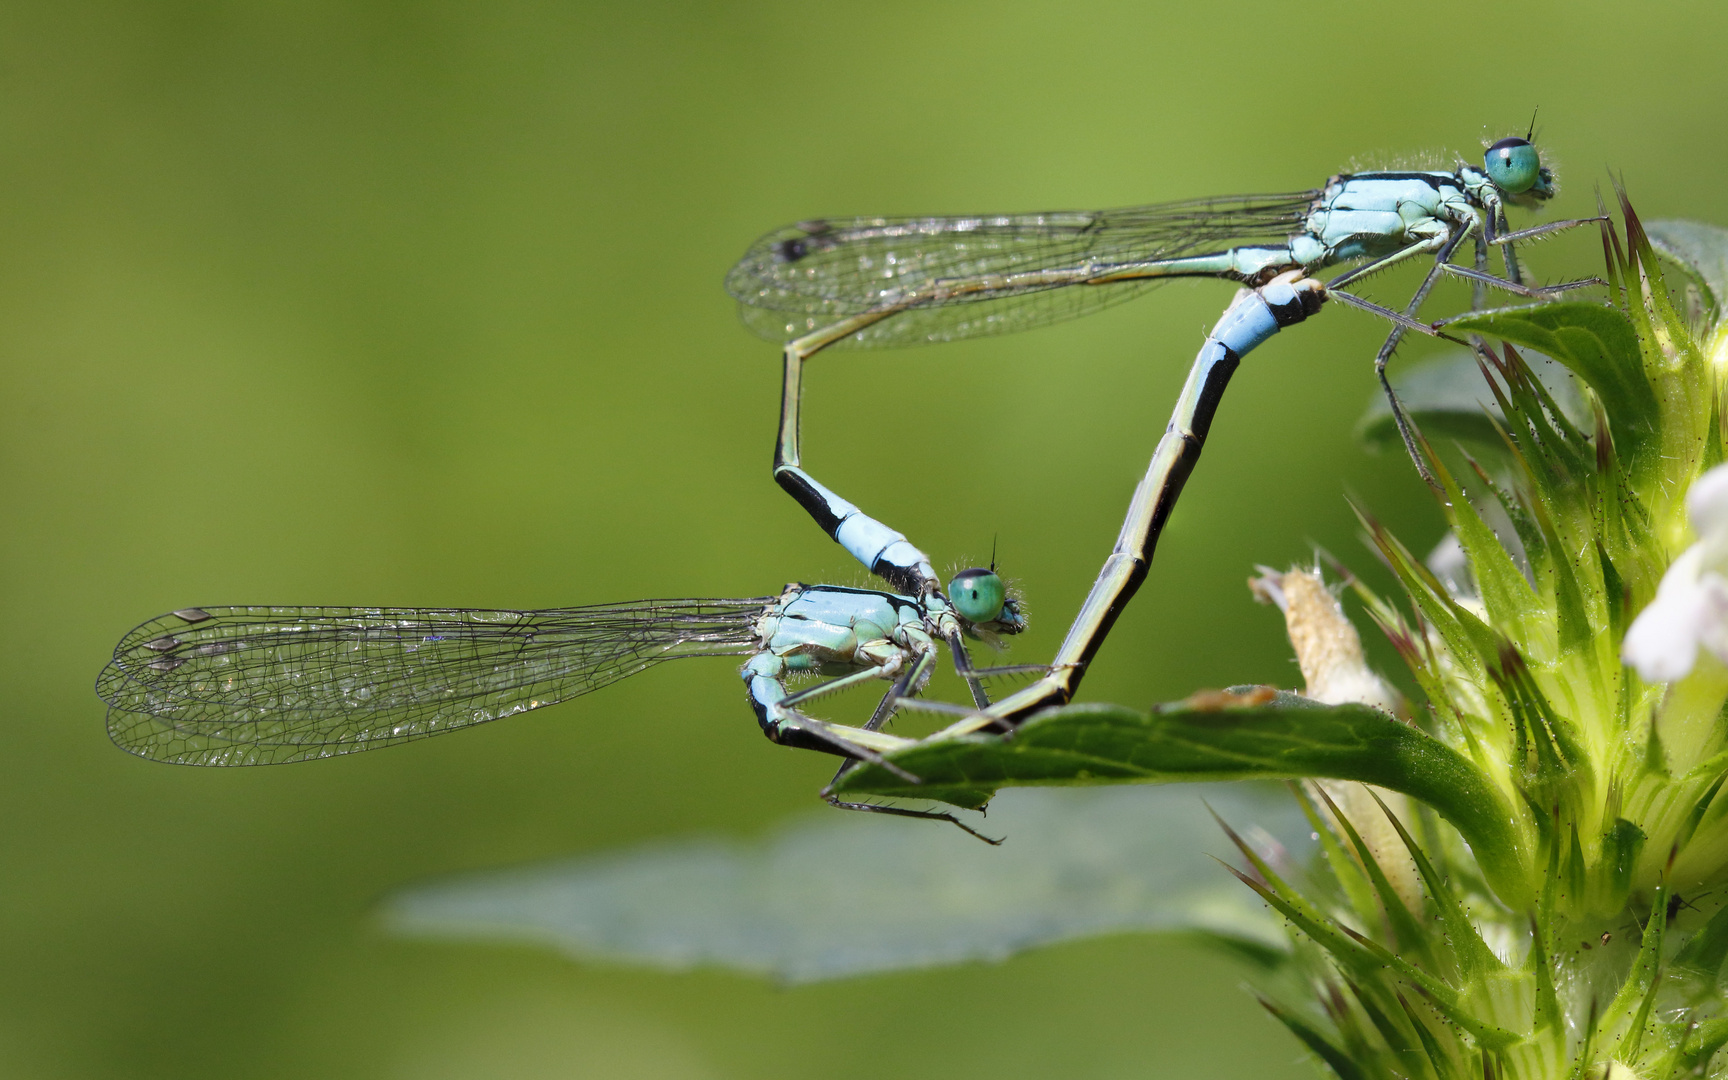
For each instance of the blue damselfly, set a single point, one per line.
(269, 685)
(879, 281)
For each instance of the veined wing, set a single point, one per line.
(988, 274)
(261, 685)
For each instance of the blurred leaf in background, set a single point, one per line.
(837, 896)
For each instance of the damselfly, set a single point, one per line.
(266, 685)
(897, 281)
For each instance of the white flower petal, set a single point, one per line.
(1713, 614)
(1707, 504)
(1662, 642)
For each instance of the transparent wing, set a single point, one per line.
(262, 685)
(989, 274)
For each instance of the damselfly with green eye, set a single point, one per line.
(263, 685)
(896, 281)
(266, 685)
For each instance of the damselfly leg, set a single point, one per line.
(887, 281)
(1464, 226)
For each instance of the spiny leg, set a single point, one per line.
(1506, 238)
(1406, 427)
(1009, 669)
(963, 668)
(1404, 320)
(901, 689)
(1514, 282)
(1478, 290)
(898, 694)
(837, 737)
(906, 683)
(844, 682)
(1479, 278)
(1450, 240)
(1547, 227)
(901, 694)
(1498, 233)
(905, 811)
(1493, 226)
(1252, 318)
(969, 721)
(972, 719)
(777, 713)
(884, 709)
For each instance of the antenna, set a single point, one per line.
(993, 540)
(1531, 135)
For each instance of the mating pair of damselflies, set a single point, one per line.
(257, 685)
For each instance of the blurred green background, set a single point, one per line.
(420, 304)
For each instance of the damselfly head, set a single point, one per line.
(1517, 170)
(981, 597)
(977, 594)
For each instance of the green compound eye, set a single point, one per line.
(978, 595)
(1513, 165)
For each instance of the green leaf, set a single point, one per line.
(1637, 994)
(1506, 594)
(1622, 842)
(1683, 834)
(1449, 400)
(1411, 937)
(1546, 1014)
(1702, 1045)
(1441, 1061)
(1335, 1058)
(1702, 249)
(1598, 344)
(1476, 961)
(1220, 737)
(1473, 645)
(1700, 960)
(1363, 956)
(847, 894)
(1350, 950)
(1349, 873)
(1410, 1059)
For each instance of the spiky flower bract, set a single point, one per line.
(1598, 953)
(1535, 885)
